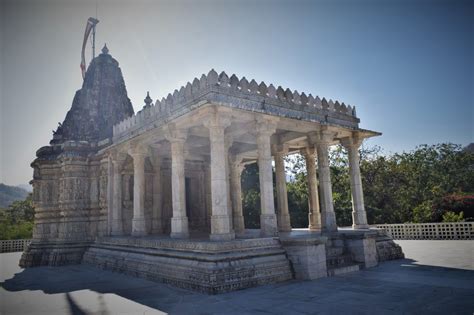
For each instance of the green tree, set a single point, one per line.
(16, 221)
(453, 217)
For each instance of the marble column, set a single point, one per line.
(236, 168)
(207, 180)
(221, 219)
(359, 215)
(314, 214)
(138, 221)
(228, 140)
(268, 221)
(328, 217)
(283, 215)
(110, 193)
(179, 221)
(117, 223)
(126, 187)
(156, 224)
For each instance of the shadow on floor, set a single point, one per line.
(392, 287)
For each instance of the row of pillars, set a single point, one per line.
(321, 218)
(226, 216)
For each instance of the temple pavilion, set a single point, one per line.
(157, 194)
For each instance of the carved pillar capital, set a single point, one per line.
(175, 134)
(216, 119)
(280, 150)
(137, 150)
(228, 141)
(265, 126)
(235, 159)
(353, 142)
(309, 152)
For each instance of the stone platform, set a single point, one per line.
(216, 267)
(205, 266)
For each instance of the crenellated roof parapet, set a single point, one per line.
(238, 93)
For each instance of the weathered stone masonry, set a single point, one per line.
(126, 192)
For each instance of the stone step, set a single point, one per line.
(334, 251)
(336, 261)
(343, 270)
(209, 267)
(335, 242)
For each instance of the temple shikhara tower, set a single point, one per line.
(157, 194)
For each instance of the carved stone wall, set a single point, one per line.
(69, 195)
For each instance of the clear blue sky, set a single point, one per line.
(408, 66)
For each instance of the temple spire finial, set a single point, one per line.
(105, 50)
(148, 100)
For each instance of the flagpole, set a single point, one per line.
(93, 42)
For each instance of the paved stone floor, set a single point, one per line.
(436, 278)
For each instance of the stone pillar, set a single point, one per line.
(268, 222)
(228, 140)
(138, 221)
(314, 214)
(156, 224)
(328, 217)
(359, 216)
(110, 193)
(283, 215)
(236, 168)
(221, 220)
(207, 180)
(126, 186)
(179, 221)
(117, 223)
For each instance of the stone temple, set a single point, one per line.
(157, 194)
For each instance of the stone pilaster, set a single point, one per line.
(283, 215)
(179, 221)
(138, 221)
(156, 223)
(314, 214)
(359, 215)
(117, 219)
(110, 193)
(268, 221)
(328, 217)
(221, 220)
(228, 140)
(236, 168)
(207, 180)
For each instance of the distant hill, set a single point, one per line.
(469, 148)
(26, 187)
(8, 194)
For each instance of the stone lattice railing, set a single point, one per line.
(232, 86)
(430, 231)
(8, 246)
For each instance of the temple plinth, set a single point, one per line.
(164, 185)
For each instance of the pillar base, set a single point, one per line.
(221, 224)
(179, 227)
(328, 222)
(268, 225)
(138, 227)
(116, 228)
(156, 227)
(285, 229)
(284, 223)
(179, 235)
(239, 226)
(314, 225)
(359, 219)
(222, 237)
